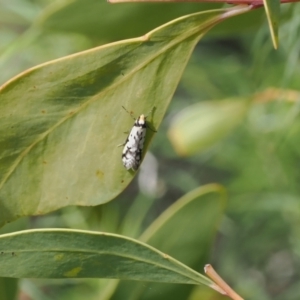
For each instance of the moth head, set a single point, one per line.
(142, 119)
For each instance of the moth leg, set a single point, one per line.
(151, 128)
(151, 112)
(123, 143)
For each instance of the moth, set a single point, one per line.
(134, 144)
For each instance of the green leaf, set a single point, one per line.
(58, 253)
(18, 13)
(61, 121)
(186, 231)
(67, 16)
(272, 8)
(198, 213)
(200, 126)
(8, 288)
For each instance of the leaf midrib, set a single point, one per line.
(99, 253)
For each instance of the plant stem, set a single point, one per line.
(254, 3)
(212, 274)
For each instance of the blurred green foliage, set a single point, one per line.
(257, 248)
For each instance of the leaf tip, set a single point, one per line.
(238, 9)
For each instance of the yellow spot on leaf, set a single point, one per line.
(58, 257)
(73, 273)
(99, 174)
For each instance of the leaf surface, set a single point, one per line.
(8, 288)
(59, 253)
(61, 122)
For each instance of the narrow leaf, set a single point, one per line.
(272, 8)
(56, 253)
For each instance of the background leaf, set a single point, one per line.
(8, 288)
(66, 16)
(194, 217)
(62, 21)
(200, 126)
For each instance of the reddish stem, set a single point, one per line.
(254, 3)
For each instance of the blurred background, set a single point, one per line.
(257, 159)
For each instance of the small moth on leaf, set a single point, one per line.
(134, 144)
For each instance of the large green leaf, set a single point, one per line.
(61, 122)
(186, 231)
(59, 253)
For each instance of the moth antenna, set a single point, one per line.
(129, 113)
